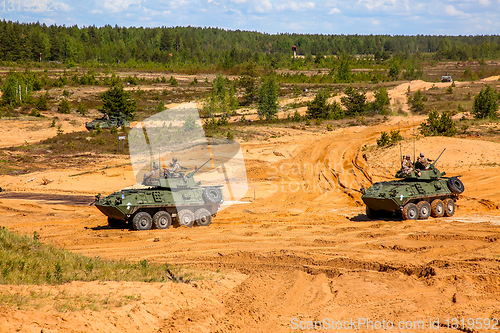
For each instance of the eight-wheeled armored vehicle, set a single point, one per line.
(161, 199)
(415, 195)
(108, 122)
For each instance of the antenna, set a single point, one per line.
(400, 153)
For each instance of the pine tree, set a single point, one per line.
(116, 100)
(485, 104)
(268, 98)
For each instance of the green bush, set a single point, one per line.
(354, 102)
(417, 101)
(81, 109)
(296, 117)
(319, 107)
(35, 113)
(381, 101)
(485, 104)
(389, 139)
(173, 81)
(41, 103)
(64, 107)
(438, 125)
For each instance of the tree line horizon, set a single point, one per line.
(216, 47)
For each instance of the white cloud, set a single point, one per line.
(264, 7)
(372, 4)
(450, 10)
(178, 4)
(115, 6)
(485, 2)
(376, 22)
(334, 11)
(96, 11)
(295, 6)
(62, 7)
(238, 1)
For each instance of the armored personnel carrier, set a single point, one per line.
(415, 195)
(162, 198)
(108, 122)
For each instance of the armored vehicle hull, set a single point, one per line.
(107, 123)
(417, 195)
(160, 201)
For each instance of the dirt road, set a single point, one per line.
(302, 250)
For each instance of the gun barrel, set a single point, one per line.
(195, 171)
(434, 163)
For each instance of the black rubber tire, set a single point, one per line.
(212, 195)
(449, 207)
(115, 223)
(455, 185)
(437, 208)
(185, 218)
(424, 210)
(410, 211)
(372, 213)
(142, 221)
(162, 220)
(203, 217)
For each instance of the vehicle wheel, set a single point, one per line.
(142, 221)
(424, 210)
(115, 223)
(186, 217)
(372, 213)
(437, 208)
(455, 185)
(203, 217)
(212, 195)
(162, 220)
(449, 207)
(410, 211)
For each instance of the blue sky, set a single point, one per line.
(394, 17)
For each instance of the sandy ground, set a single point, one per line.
(302, 250)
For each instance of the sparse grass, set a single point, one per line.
(25, 260)
(103, 142)
(63, 301)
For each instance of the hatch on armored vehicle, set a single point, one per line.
(417, 194)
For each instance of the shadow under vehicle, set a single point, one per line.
(108, 122)
(161, 199)
(421, 193)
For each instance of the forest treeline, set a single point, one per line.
(213, 47)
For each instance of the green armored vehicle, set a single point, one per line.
(108, 122)
(417, 194)
(162, 198)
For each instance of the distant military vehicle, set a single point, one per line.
(162, 198)
(108, 122)
(416, 195)
(446, 78)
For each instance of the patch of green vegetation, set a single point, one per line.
(25, 260)
(389, 139)
(438, 125)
